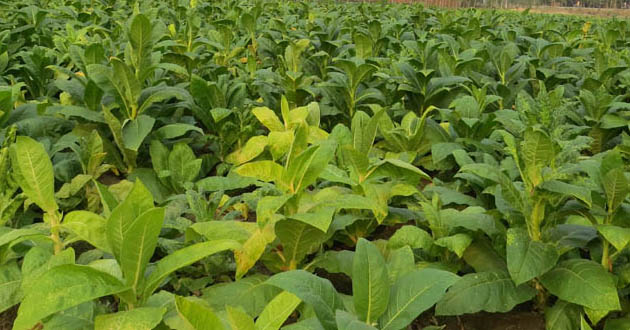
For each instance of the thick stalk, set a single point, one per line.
(54, 232)
(606, 255)
(536, 219)
(606, 261)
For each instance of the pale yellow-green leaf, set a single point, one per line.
(34, 172)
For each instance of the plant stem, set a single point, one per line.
(54, 233)
(605, 255)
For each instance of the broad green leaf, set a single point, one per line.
(400, 262)
(10, 286)
(280, 143)
(403, 170)
(538, 151)
(581, 193)
(306, 167)
(319, 293)
(196, 316)
(80, 317)
(182, 258)
(579, 280)
(108, 201)
(320, 218)
(141, 41)
(238, 319)
(488, 291)
(252, 149)
(138, 245)
(12, 235)
(247, 256)
(251, 294)
(136, 130)
(308, 324)
(138, 201)
(34, 172)
(268, 206)
(63, 287)
(357, 161)
(413, 294)
(144, 318)
(269, 119)
(38, 260)
(562, 316)
(298, 240)
(364, 131)
(481, 256)
(277, 311)
(335, 262)
(595, 315)
(347, 321)
(264, 170)
(88, 226)
(457, 243)
(228, 229)
(220, 183)
(619, 237)
(173, 131)
(616, 186)
(411, 236)
(370, 282)
(183, 165)
(472, 218)
(163, 93)
(159, 157)
(526, 258)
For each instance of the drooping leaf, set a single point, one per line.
(196, 316)
(89, 227)
(579, 280)
(252, 149)
(457, 243)
(619, 237)
(182, 258)
(526, 258)
(144, 318)
(264, 170)
(411, 236)
(562, 316)
(319, 293)
(251, 294)
(63, 287)
(488, 291)
(347, 321)
(136, 130)
(413, 294)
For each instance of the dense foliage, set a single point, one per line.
(310, 165)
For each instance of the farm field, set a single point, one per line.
(249, 165)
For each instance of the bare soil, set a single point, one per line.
(7, 317)
(515, 320)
